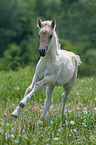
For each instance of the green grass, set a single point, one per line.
(77, 127)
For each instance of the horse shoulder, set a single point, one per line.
(40, 68)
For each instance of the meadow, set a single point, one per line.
(77, 127)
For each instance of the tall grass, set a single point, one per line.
(77, 127)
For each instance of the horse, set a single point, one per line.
(56, 67)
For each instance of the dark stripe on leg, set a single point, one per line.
(21, 105)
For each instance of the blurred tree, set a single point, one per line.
(76, 27)
(11, 21)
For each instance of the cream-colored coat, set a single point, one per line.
(58, 67)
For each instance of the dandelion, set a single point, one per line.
(56, 138)
(72, 122)
(33, 135)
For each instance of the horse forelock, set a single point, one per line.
(46, 23)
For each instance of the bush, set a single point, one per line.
(86, 70)
(19, 55)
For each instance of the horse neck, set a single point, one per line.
(53, 47)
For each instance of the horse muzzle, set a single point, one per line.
(42, 50)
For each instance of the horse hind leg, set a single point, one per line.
(67, 89)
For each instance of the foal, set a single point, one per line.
(55, 67)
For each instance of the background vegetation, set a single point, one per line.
(76, 29)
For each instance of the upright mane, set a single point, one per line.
(57, 43)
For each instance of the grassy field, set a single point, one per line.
(77, 127)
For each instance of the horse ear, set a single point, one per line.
(39, 23)
(53, 23)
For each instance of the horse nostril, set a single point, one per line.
(42, 50)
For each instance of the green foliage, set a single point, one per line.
(66, 45)
(77, 126)
(11, 21)
(19, 55)
(76, 28)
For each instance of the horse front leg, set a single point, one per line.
(28, 90)
(38, 85)
(48, 101)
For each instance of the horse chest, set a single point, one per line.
(46, 68)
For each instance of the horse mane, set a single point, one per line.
(58, 45)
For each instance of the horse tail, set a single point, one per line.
(78, 60)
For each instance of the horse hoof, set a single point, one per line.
(13, 116)
(22, 105)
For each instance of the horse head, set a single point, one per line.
(45, 35)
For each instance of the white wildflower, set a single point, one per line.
(12, 135)
(91, 137)
(90, 88)
(40, 110)
(40, 122)
(80, 104)
(66, 122)
(51, 106)
(52, 122)
(78, 108)
(56, 138)
(69, 111)
(85, 111)
(95, 108)
(74, 130)
(23, 130)
(8, 124)
(16, 141)
(72, 122)
(84, 124)
(85, 108)
(16, 88)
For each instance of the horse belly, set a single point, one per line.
(66, 72)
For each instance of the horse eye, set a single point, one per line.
(51, 36)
